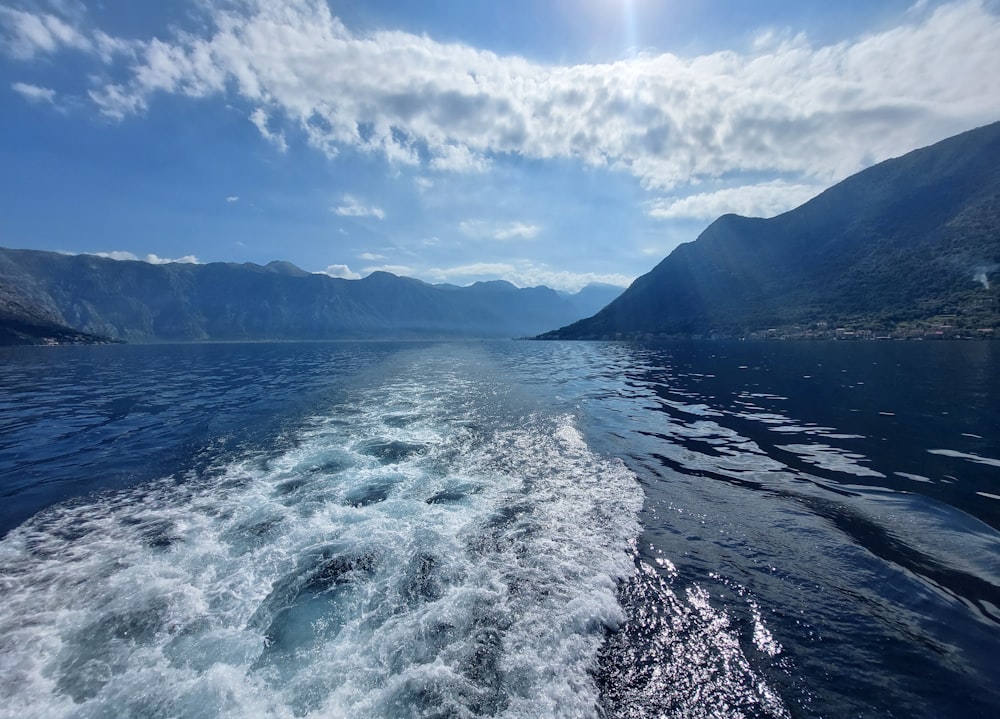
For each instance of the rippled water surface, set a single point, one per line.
(500, 529)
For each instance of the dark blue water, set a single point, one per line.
(500, 529)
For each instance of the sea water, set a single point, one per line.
(510, 529)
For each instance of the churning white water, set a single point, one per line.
(499, 530)
(428, 546)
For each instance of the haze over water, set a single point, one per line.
(500, 529)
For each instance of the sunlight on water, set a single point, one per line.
(453, 531)
(989, 461)
(832, 459)
(682, 657)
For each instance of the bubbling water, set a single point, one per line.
(424, 548)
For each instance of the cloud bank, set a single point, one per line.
(150, 258)
(762, 200)
(786, 106)
(524, 273)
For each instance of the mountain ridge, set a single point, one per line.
(905, 247)
(136, 301)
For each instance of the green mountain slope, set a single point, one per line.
(908, 246)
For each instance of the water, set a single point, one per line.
(500, 529)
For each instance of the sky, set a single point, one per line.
(555, 142)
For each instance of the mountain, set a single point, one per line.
(593, 297)
(908, 246)
(141, 302)
(24, 322)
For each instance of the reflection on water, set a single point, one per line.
(871, 553)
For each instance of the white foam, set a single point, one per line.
(423, 544)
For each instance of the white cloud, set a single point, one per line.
(150, 258)
(370, 257)
(340, 271)
(185, 260)
(401, 270)
(107, 47)
(34, 93)
(352, 207)
(524, 274)
(785, 106)
(117, 255)
(476, 269)
(459, 158)
(233, 198)
(260, 120)
(116, 102)
(28, 34)
(516, 230)
(483, 229)
(763, 200)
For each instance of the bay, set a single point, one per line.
(500, 529)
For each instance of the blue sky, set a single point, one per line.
(556, 143)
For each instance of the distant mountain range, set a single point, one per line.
(47, 297)
(908, 247)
